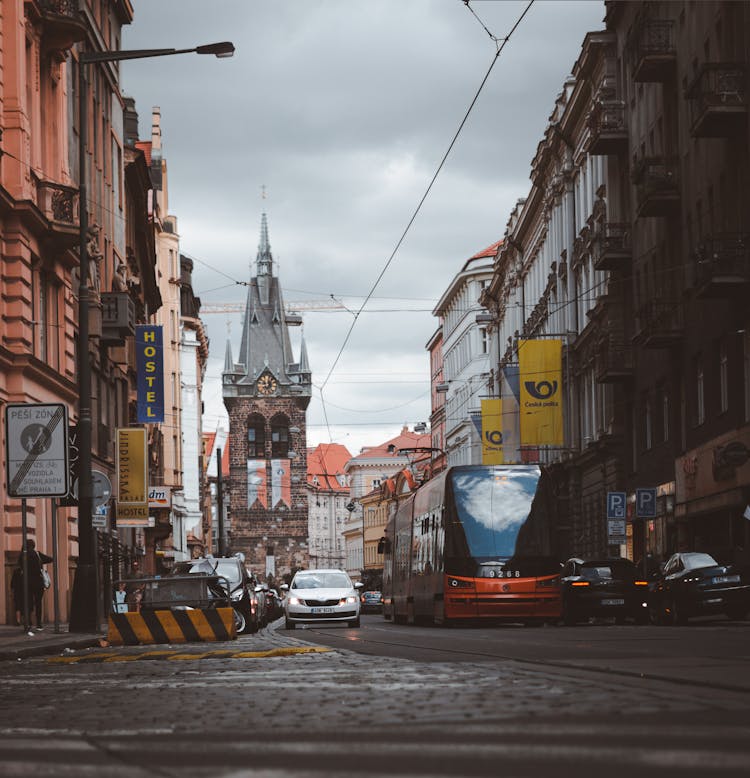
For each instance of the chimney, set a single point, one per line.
(130, 121)
(156, 132)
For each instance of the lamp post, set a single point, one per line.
(83, 613)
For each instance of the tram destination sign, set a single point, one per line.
(36, 450)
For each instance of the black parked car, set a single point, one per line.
(241, 587)
(603, 587)
(695, 584)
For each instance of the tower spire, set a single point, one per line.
(264, 261)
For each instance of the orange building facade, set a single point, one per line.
(39, 260)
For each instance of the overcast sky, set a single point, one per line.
(343, 110)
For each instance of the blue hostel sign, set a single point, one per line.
(149, 346)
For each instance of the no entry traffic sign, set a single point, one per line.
(36, 450)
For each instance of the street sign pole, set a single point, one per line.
(25, 568)
(55, 582)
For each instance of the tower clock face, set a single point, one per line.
(267, 384)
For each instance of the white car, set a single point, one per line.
(317, 596)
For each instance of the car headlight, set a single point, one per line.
(295, 601)
(345, 600)
(236, 596)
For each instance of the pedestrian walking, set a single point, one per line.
(38, 584)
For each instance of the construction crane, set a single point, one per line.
(291, 306)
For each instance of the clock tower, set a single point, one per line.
(266, 393)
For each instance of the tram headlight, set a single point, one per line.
(455, 583)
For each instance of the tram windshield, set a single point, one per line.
(492, 506)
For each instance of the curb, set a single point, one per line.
(48, 647)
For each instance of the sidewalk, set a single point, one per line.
(17, 644)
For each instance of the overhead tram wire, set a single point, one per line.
(427, 191)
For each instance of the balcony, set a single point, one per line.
(118, 318)
(660, 323)
(607, 127)
(612, 246)
(653, 50)
(59, 204)
(657, 186)
(63, 24)
(614, 361)
(722, 265)
(718, 100)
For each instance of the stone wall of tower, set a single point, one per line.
(256, 529)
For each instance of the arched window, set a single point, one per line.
(279, 437)
(256, 437)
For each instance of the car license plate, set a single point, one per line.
(322, 610)
(719, 579)
(613, 602)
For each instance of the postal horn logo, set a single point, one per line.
(541, 390)
(494, 437)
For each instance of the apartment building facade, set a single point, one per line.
(632, 248)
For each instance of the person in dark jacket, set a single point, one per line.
(36, 583)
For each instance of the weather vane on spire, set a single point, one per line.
(263, 191)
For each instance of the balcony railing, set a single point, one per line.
(660, 323)
(59, 204)
(612, 246)
(653, 50)
(609, 132)
(614, 361)
(657, 186)
(118, 317)
(718, 100)
(722, 264)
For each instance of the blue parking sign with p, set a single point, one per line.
(616, 505)
(645, 503)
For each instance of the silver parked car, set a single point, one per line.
(317, 596)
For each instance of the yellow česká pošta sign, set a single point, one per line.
(492, 432)
(540, 366)
(132, 477)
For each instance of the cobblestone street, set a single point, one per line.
(321, 713)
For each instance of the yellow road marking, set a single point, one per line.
(173, 656)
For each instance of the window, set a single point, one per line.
(700, 395)
(648, 422)
(256, 438)
(279, 438)
(665, 415)
(483, 340)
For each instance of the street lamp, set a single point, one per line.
(83, 613)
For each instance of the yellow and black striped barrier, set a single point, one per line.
(177, 626)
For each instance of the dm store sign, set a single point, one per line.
(150, 371)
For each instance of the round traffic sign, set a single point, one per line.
(101, 487)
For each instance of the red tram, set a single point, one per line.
(475, 542)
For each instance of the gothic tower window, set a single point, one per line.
(256, 437)
(279, 437)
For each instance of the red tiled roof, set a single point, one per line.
(490, 251)
(325, 462)
(405, 439)
(145, 147)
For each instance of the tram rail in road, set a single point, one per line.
(711, 654)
